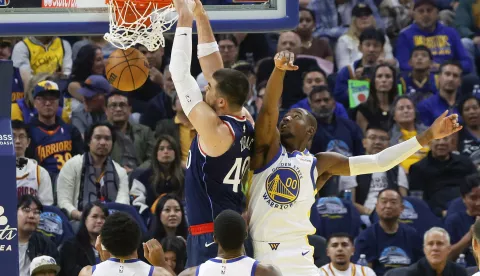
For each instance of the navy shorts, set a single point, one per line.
(200, 248)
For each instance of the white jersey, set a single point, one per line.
(281, 196)
(116, 267)
(241, 266)
(33, 179)
(353, 270)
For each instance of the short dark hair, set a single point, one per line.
(314, 69)
(27, 200)
(372, 34)
(91, 129)
(309, 11)
(376, 126)
(233, 84)
(471, 181)
(121, 234)
(340, 235)
(319, 89)
(118, 93)
(230, 37)
(244, 67)
(450, 62)
(230, 230)
(421, 48)
(464, 100)
(17, 124)
(396, 190)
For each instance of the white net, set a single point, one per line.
(147, 29)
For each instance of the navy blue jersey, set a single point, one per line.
(213, 184)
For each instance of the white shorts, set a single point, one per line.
(293, 258)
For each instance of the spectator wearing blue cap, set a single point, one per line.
(93, 90)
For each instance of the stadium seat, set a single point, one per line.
(55, 225)
(333, 215)
(417, 214)
(117, 207)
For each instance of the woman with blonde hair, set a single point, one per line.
(24, 109)
(346, 51)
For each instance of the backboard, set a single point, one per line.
(90, 17)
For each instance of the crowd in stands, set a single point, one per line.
(374, 73)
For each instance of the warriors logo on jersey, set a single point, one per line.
(282, 187)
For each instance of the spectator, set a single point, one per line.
(175, 250)
(92, 176)
(405, 124)
(88, 62)
(334, 133)
(383, 90)
(44, 266)
(347, 50)
(259, 98)
(469, 135)
(93, 90)
(98, 41)
(247, 69)
(314, 46)
(24, 109)
(179, 128)
(165, 175)
(371, 47)
(168, 85)
(444, 42)
(31, 243)
(17, 81)
(440, 175)
(332, 16)
(43, 54)
(419, 84)
(388, 243)
(366, 188)
(169, 219)
(134, 143)
(316, 77)
(53, 141)
(459, 224)
(253, 47)
(340, 249)
(466, 23)
(32, 179)
(396, 15)
(436, 246)
(228, 45)
(80, 251)
(449, 80)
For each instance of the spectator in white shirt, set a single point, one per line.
(32, 179)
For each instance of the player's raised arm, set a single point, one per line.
(336, 164)
(207, 48)
(214, 133)
(267, 137)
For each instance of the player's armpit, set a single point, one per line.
(332, 163)
(215, 136)
(267, 270)
(86, 271)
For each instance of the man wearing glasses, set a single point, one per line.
(30, 242)
(53, 141)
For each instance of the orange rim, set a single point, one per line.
(143, 7)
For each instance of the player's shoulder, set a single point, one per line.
(267, 270)
(86, 271)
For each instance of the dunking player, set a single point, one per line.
(230, 231)
(220, 154)
(285, 173)
(120, 237)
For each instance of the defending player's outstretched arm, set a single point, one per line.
(267, 136)
(329, 164)
(215, 135)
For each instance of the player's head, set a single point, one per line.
(228, 91)
(121, 235)
(340, 248)
(230, 230)
(297, 128)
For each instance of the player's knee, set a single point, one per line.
(179, 66)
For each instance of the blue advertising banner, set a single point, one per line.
(8, 190)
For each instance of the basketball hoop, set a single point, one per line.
(139, 22)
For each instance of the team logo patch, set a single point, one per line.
(274, 245)
(282, 188)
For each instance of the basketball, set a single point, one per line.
(127, 70)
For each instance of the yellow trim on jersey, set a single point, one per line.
(16, 112)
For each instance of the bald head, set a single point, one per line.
(289, 41)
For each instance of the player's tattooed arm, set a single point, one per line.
(267, 136)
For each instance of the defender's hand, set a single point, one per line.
(153, 252)
(284, 61)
